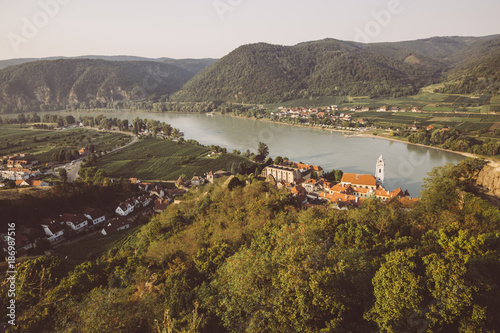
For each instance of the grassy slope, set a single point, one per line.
(22, 140)
(156, 159)
(96, 244)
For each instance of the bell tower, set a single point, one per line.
(380, 171)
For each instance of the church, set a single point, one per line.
(365, 186)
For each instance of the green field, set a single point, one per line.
(96, 244)
(43, 143)
(429, 101)
(157, 159)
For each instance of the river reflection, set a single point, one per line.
(406, 165)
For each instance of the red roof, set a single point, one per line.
(358, 179)
(76, 219)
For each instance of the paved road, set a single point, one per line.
(73, 167)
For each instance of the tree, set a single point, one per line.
(398, 294)
(262, 152)
(263, 149)
(278, 160)
(63, 174)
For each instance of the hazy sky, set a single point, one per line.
(212, 28)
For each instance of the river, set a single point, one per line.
(406, 165)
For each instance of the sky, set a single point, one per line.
(213, 28)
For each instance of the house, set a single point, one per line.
(96, 216)
(344, 201)
(365, 109)
(430, 128)
(180, 182)
(134, 180)
(31, 182)
(24, 239)
(311, 185)
(144, 200)
(124, 208)
(116, 224)
(307, 169)
(144, 187)
(39, 183)
(84, 152)
(298, 190)
(54, 230)
(359, 180)
(382, 109)
(157, 190)
(16, 173)
(21, 182)
(196, 181)
(161, 205)
(282, 173)
(77, 222)
(212, 176)
(175, 192)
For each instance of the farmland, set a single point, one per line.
(156, 159)
(95, 244)
(426, 99)
(43, 143)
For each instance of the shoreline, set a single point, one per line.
(372, 136)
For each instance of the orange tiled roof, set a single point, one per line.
(359, 179)
(298, 190)
(346, 199)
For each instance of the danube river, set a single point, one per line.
(406, 165)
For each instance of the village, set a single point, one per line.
(306, 183)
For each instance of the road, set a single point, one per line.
(73, 167)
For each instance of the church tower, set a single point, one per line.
(380, 172)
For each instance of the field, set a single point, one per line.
(156, 159)
(43, 143)
(95, 244)
(426, 99)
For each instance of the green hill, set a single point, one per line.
(477, 69)
(263, 73)
(57, 83)
(243, 256)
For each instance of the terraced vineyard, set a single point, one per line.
(156, 159)
(43, 143)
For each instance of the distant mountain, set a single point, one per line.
(33, 85)
(191, 65)
(264, 73)
(258, 73)
(477, 69)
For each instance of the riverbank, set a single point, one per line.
(373, 136)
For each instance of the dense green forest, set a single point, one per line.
(51, 85)
(246, 258)
(263, 73)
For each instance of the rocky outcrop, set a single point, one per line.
(489, 178)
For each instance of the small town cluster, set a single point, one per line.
(331, 112)
(153, 200)
(349, 192)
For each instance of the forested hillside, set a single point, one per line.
(52, 85)
(263, 73)
(245, 258)
(478, 69)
